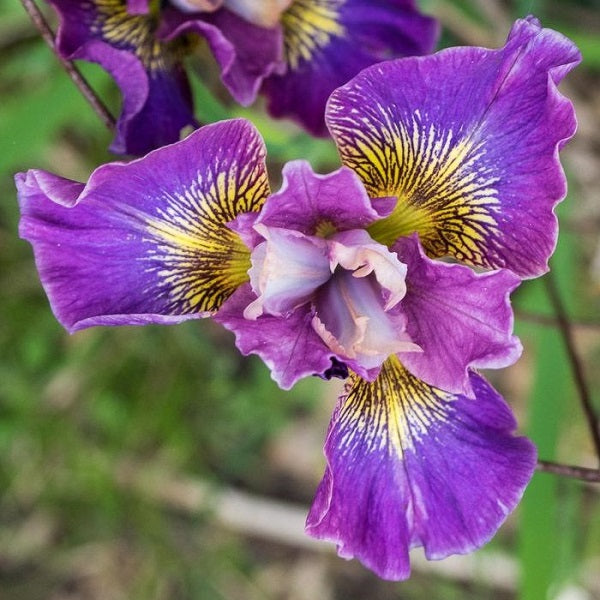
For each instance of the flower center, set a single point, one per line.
(348, 282)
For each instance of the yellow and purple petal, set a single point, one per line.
(327, 42)
(468, 141)
(147, 241)
(460, 319)
(411, 465)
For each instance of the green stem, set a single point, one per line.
(566, 330)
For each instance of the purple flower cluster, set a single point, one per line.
(295, 52)
(394, 271)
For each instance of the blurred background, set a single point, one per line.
(157, 463)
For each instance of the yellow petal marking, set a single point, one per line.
(309, 25)
(446, 191)
(392, 411)
(138, 33)
(202, 262)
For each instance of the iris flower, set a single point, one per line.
(143, 46)
(394, 271)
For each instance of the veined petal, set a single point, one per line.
(459, 318)
(157, 101)
(357, 252)
(147, 241)
(468, 140)
(288, 345)
(410, 465)
(327, 42)
(317, 204)
(351, 319)
(286, 270)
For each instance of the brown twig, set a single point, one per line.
(552, 321)
(576, 366)
(590, 475)
(87, 92)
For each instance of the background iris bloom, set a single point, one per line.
(297, 54)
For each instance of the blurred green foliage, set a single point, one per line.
(75, 411)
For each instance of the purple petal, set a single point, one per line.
(309, 202)
(459, 318)
(243, 225)
(138, 7)
(410, 465)
(288, 345)
(468, 140)
(351, 319)
(157, 102)
(286, 271)
(245, 52)
(356, 251)
(328, 43)
(147, 241)
(165, 112)
(353, 309)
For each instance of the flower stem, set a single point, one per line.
(590, 475)
(87, 92)
(552, 321)
(566, 330)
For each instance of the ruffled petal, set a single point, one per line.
(351, 319)
(286, 270)
(246, 53)
(459, 318)
(327, 42)
(410, 465)
(157, 101)
(147, 241)
(356, 251)
(288, 345)
(468, 140)
(317, 204)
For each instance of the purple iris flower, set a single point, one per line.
(143, 47)
(454, 156)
